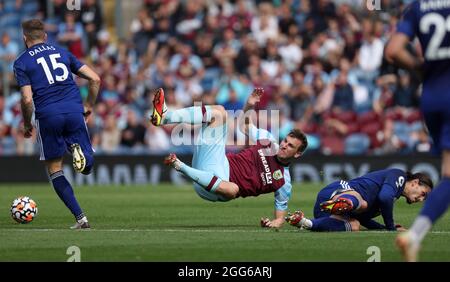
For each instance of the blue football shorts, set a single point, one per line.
(56, 133)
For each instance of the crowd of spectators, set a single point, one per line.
(319, 61)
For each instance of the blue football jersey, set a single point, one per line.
(48, 70)
(381, 189)
(370, 184)
(429, 20)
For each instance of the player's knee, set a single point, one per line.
(446, 163)
(233, 191)
(87, 170)
(229, 190)
(354, 224)
(363, 205)
(54, 165)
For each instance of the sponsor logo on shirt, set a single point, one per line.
(277, 175)
(267, 174)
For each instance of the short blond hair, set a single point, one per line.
(33, 29)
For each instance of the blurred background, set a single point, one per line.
(320, 62)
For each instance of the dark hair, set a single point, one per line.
(424, 179)
(298, 134)
(33, 29)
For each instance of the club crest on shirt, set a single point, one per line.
(277, 175)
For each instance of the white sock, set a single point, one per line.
(420, 228)
(84, 219)
(306, 223)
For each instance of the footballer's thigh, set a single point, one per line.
(218, 116)
(209, 151)
(438, 125)
(229, 190)
(209, 155)
(363, 204)
(50, 137)
(213, 196)
(445, 147)
(446, 163)
(76, 132)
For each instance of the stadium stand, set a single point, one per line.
(319, 61)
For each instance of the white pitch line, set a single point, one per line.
(147, 230)
(188, 230)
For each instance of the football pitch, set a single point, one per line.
(172, 224)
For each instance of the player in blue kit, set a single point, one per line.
(429, 22)
(344, 206)
(44, 74)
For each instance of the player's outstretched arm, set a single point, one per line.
(93, 88)
(252, 100)
(386, 198)
(27, 109)
(282, 197)
(372, 224)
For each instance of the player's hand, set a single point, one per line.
(255, 97)
(27, 130)
(400, 228)
(267, 223)
(87, 112)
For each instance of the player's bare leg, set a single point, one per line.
(213, 115)
(229, 190)
(408, 246)
(65, 192)
(219, 116)
(206, 179)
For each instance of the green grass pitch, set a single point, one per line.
(171, 223)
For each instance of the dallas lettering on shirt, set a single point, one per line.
(40, 49)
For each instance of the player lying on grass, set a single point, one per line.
(345, 206)
(259, 169)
